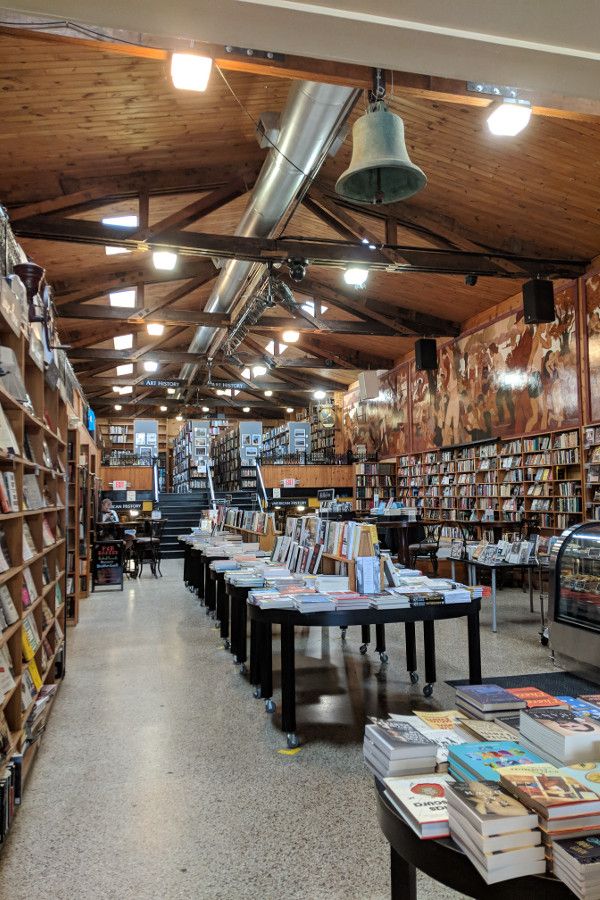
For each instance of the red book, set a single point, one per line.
(534, 698)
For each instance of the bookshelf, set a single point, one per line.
(252, 526)
(373, 480)
(234, 454)
(191, 457)
(325, 421)
(287, 439)
(540, 475)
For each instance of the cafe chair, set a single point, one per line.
(427, 546)
(147, 547)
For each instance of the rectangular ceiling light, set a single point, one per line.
(125, 222)
(123, 342)
(123, 298)
(125, 369)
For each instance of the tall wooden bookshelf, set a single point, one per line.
(374, 480)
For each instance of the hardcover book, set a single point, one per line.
(489, 697)
(486, 760)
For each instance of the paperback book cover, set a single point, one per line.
(485, 731)
(485, 760)
(490, 808)
(587, 773)
(545, 789)
(563, 722)
(535, 698)
(594, 699)
(444, 719)
(489, 697)
(585, 851)
(581, 707)
(422, 802)
(395, 737)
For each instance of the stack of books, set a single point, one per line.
(497, 832)
(422, 803)
(562, 734)
(485, 761)
(487, 701)
(439, 727)
(577, 863)
(389, 601)
(311, 603)
(349, 600)
(393, 747)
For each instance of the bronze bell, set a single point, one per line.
(380, 170)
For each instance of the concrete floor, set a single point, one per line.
(161, 777)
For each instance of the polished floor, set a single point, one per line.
(161, 777)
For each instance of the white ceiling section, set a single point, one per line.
(542, 45)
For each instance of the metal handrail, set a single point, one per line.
(263, 500)
(211, 487)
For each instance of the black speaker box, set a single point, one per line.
(425, 354)
(538, 302)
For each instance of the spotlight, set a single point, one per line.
(290, 409)
(425, 354)
(179, 418)
(170, 390)
(155, 329)
(205, 409)
(319, 395)
(300, 508)
(246, 409)
(163, 408)
(538, 302)
(297, 269)
(268, 393)
(356, 276)
(150, 366)
(164, 260)
(118, 407)
(509, 117)
(290, 337)
(258, 371)
(190, 71)
(470, 280)
(134, 513)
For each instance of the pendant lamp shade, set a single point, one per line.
(380, 170)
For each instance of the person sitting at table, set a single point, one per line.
(108, 513)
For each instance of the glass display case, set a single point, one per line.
(575, 595)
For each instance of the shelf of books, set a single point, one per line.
(191, 457)
(286, 440)
(375, 483)
(234, 454)
(253, 526)
(498, 481)
(82, 498)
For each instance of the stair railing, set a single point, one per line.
(211, 487)
(261, 494)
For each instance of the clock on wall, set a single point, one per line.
(327, 417)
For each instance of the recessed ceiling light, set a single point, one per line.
(259, 370)
(356, 276)
(118, 407)
(117, 388)
(290, 409)
(246, 409)
(220, 392)
(155, 328)
(190, 71)
(164, 260)
(128, 389)
(123, 342)
(123, 298)
(509, 117)
(179, 418)
(205, 409)
(246, 372)
(291, 336)
(319, 395)
(125, 369)
(170, 390)
(151, 366)
(268, 393)
(163, 408)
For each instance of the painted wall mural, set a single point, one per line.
(592, 310)
(380, 425)
(504, 379)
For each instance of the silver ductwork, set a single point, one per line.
(310, 123)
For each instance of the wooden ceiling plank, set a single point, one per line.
(94, 312)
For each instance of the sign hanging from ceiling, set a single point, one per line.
(232, 385)
(162, 382)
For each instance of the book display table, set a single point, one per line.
(494, 568)
(443, 861)
(288, 619)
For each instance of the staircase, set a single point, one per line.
(183, 512)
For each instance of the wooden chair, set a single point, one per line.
(147, 547)
(427, 545)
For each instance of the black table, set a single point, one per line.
(288, 619)
(443, 861)
(493, 568)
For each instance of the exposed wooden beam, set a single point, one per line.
(97, 337)
(319, 253)
(346, 357)
(295, 362)
(124, 356)
(345, 223)
(93, 311)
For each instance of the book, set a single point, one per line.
(489, 697)
(534, 698)
(581, 707)
(483, 730)
(577, 862)
(489, 808)
(594, 699)
(443, 738)
(10, 483)
(5, 505)
(399, 739)
(445, 719)
(588, 773)
(31, 492)
(8, 607)
(510, 840)
(567, 736)
(8, 441)
(29, 548)
(499, 865)
(543, 788)
(383, 767)
(422, 803)
(486, 760)
(5, 561)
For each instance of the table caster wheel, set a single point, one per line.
(243, 669)
(343, 629)
(428, 690)
(256, 693)
(363, 649)
(227, 645)
(292, 741)
(270, 705)
(383, 657)
(414, 677)
(544, 641)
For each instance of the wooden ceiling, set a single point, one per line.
(77, 118)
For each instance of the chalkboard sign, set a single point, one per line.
(326, 494)
(107, 564)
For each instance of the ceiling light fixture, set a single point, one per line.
(258, 371)
(125, 369)
(246, 409)
(319, 395)
(165, 260)
(151, 366)
(268, 393)
(123, 342)
(118, 407)
(163, 408)
(290, 337)
(356, 276)
(155, 329)
(290, 409)
(205, 409)
(190, 71)
(170, 390)
(179, 418)
(123, 298)
(509, 117)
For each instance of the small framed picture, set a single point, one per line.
(246, 440)
(256, 439)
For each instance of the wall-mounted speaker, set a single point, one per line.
(368, 385)
(538, 302)
(425, 354)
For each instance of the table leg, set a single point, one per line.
(411, 651)
(242, 650)
(429, 648)
(266, 661)
(453, 569)
(494, 620)
(380, 639)
(365, 635)
(222, 609)
(403, 878)
(254, 652)
(474, 648)
(288, 680)
(530, 591)
(234, 616)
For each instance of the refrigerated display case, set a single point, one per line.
(575, 598)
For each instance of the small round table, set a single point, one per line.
(443, 861)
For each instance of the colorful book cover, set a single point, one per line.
(423, 798)
(587, 773)
(395, 734)
(535, 698)
(594, 699)
(444, 719)
(586, 851)
(581, 707)
(545, 786)
(490, 803)
(563, 722)
(485, 760)
(489, 695)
